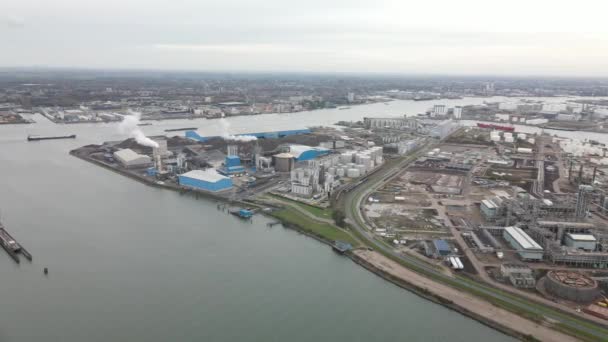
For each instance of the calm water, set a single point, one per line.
(132, 263)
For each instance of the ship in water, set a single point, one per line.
(181, 129)
(12, 247)
(494, 126)
(38, 138)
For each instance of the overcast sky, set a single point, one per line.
(516, 37)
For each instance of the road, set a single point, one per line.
(352, 200)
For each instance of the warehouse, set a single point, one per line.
(585, 242)
(129, 158)
(208, 180)
(526, 247)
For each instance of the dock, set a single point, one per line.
(341, 246)
(11, 246)
(242, 213)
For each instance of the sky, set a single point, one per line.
(451, 37)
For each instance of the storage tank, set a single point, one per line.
(340, 172)
(283, 162)
(346, 157)
(521, 136)
(362, 169)
(509, 139)
(353, 173)
(332, 171)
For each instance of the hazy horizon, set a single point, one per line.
(468, 37)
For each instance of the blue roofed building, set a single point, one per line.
(303, 152)
(442, 248)
(208, 180)
(232, 166)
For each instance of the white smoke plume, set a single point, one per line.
(129, 126)
(225, 128)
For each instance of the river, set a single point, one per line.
(128, 262)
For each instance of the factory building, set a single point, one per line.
(303, 152)
(586, 242)
(519, 276)
(582, 201)
(457, 112)
(442, 248)
(394, 123)
(129, 158)
(526, 247)
(232, 166)
(208, 180)
(438, 110)
(489, 209)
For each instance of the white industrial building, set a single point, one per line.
(438, 110)
(585, 242)
(129, 158)
(526, 247)
(457, 112)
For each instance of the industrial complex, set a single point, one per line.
(514, 210)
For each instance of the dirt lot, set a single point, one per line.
(399, 216)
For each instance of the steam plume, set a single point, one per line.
(129, 126)
(225, 127)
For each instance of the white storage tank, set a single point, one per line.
(353, 173)
(340, 172)
(346, 157)
(509, 139)
(495, 138)
(362, 169)
(332, 171)
(521, 136)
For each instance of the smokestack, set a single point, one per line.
(594, 172)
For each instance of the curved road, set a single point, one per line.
(352, 199)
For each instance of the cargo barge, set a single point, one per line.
(181, 129)
(494, 126)
(37, 138)
(12, 247)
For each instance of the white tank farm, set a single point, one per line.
(346, 157)
(353, 173)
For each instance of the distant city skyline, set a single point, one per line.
(468, 37)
